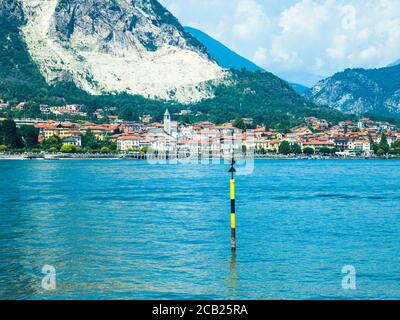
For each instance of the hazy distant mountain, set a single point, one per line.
(360, 91)
(396, 63)
(224, 56)
(299, 88)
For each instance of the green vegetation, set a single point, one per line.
(13, 138)
(295, 148)
(265, 98)
(308, 151)
(396, 148)
(10, 136)
(383, 146)
(29, 136)
(287, 148)
(68, 148)
(373, 87)
(284, 148)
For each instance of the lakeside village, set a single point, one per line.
(118, 138)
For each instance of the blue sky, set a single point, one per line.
(300, 40)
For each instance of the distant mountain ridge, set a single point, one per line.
(358, 91)
(224, 56)
(396, 63)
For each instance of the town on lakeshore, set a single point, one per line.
(113, 136)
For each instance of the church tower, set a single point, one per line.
(167, 123)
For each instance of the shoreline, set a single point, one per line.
(91, 157)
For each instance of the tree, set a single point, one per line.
(284, 148)
(308, 151)
(30, 136)
(3, 148)
(380, 152)
(396, 144)
(89, 140)
(52, 142)
(325, 150)
(239, 123)
(11, 136)
(384, 145)
(295, 148)
(68, 148)
(145, 149)
(105, 150)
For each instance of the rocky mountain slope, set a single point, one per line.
(103, 46)
(358, 91)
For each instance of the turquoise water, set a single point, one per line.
(131, 230)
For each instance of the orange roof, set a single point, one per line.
(129, 138)
(317, 142)
(45, 126)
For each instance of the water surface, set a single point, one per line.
(130, 230)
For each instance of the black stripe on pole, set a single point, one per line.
(233, 207)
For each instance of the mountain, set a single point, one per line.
(102, 46)
(224, 56)
(133, 57)
(299, 88)
(396, 63)
(358, 91)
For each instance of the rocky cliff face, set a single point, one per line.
(11, 10)
(115, 46)
(360, 91)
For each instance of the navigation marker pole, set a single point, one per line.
(233, 208)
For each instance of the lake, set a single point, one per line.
(118, 229)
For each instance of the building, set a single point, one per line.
(359, 147)
(248, 121)
(167, 123)
(126, 143)
(318, 145)
(75, 141)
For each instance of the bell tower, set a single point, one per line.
(167, 122)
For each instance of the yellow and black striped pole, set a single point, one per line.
(233, 206)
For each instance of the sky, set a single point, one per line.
(301, 41)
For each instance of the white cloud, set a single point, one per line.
(302, 40)
(251, 20)
(261, 56)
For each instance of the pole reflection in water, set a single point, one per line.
(232, 282)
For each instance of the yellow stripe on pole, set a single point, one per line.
(233, 221)
(232, 189)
